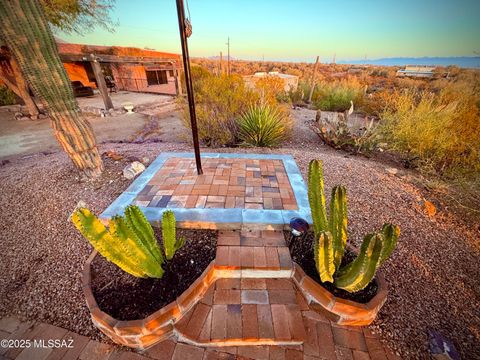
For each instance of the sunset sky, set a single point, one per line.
(301, 29)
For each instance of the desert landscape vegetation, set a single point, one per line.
(406, 148)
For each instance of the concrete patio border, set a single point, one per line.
(212, 218)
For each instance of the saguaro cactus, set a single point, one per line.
(128, 243)
(170, 242)
(330, 237)
(26, 32)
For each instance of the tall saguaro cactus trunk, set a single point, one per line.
(25, 31)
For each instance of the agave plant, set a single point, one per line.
(263, 125)
(330, 231)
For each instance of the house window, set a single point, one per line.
(156, 77)
(170, 73)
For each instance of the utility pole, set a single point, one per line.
(334, 58)
(312, 82)
(188, 81)
(221, 64)
(228, 59)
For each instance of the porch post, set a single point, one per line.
(102, 86)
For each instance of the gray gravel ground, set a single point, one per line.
(433, 275)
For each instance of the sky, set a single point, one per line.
(298, 30)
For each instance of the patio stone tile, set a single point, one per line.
(254, 297)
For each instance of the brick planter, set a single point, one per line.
(141, 334)
(341, 311)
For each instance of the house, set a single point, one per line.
(290, 81)
(418, 71)
(132, 69)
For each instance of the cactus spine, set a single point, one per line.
(330, 237)
(120, 244)
(28, 36)
(170, 242)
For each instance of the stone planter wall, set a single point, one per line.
(141, 334)
(341, 311)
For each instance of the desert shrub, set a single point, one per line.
(219, 101)
(336, 96)
(264, 125)
(271, 89)
(441, 131)
(7, 96)
(300, 94)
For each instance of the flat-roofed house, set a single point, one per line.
(290, 81)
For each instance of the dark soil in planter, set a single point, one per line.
(126, 297)
(302, 254)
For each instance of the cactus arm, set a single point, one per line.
(316, 196)
(139, 224)
(390, 234)
(324, 258)
(338, 222)
(362, 270)
(135, 248)
(102, 241)
(170, 242)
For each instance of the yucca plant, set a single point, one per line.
(330, 237)
(130, 242)
(263, 125)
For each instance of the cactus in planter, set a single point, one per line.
(330, 237)
(170, 242)
(129, 242)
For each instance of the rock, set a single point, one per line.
(441, 348)
(80, 204)
(391, 171)
(18, 115)
(42, 116)
(429, 208)
(133, 169)
(145, 160)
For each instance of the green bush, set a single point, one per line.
(441, 131)
(7, 96)
(264, 125)
(336, 96)
(220, 101)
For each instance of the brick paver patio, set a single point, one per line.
(262, 191)
(225, 183)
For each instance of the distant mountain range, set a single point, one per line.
(461, 61)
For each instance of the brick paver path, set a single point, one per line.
(259, 314)
(225, 183)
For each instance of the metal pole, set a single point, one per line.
(188, 82)
(228, 59)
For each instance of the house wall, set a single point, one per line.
(131, 77)
(76, 71)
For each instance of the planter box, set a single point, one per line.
(141, 334)
(340, 311)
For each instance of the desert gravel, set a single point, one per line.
(433, 275)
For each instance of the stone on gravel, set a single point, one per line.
(133, 169)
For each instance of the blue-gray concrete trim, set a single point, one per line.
(212, 215)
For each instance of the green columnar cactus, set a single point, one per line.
(144, 231)
(27, 34)
(330, 237)
(170, 242)
(316, 196)
(324, 259)
(120, 244)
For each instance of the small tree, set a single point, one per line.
(27, 34)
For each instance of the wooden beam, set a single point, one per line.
(102, 86)
(116, 59)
